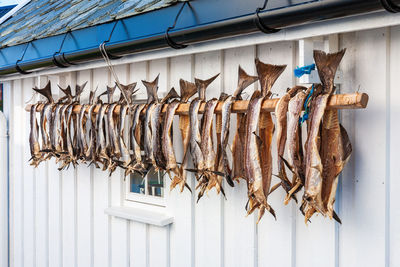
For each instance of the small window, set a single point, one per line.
(148, 189)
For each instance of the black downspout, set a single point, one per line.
(279, 18)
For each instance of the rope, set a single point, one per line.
(306, 106)
(110, 66)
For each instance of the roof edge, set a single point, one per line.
(14, 10)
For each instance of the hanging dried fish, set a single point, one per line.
(281, 131)
(152, 100)
(34, 138)
(244, 80)
(267, 75)
(187, 90)
(295, 151)
(327, 65)
(222, 122)
(258, 186)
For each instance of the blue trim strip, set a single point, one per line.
(138, 27)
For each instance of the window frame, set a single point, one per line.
(144, 198)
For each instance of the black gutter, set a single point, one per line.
(279, 18)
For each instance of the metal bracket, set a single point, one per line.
(306, 47)
(167, 38)
(390, 6)
(18, 68)
(260, 25)
(59, 58)
(110, 56)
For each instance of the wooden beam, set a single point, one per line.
(341, 101)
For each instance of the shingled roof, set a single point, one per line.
(44, 18)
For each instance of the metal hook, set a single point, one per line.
(390, 6)
(260, 25)
(58, 57)
(18, 68)
(103, 44)
(168, 39)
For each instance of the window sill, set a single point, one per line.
(140, 215)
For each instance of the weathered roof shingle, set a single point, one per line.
(44, 18)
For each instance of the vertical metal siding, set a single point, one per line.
(57, 218)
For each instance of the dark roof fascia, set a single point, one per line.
(203, 20)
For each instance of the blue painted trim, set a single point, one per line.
(149, 24)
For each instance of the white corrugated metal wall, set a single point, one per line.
(57, 218)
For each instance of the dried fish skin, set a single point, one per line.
(222, 130)
(156, 131)
(148, 136)
(187, 89)
(207, 148)
(113, 132)
(168, 149)
(125, 154)
(136, 159)
(195, 137)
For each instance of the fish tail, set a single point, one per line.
(188, 89)
(172, 94)
(260, 214)
(336, 217)
(267, 75)
(202, 85)
(46, 92)
(244, 81)
(327, 65)
(151, 89)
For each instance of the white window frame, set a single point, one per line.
(144, 198)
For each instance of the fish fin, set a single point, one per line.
(188, 89)
(229, 180)
(258, 139)
(273, 188)
(327, 65)
(218, 173)
(202, 85)
(290, 167)
(244, 81)
(271, 210)
(336, 217)
(346, 144)
(267, 75)
(260, 214)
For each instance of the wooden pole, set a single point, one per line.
(340, 101)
